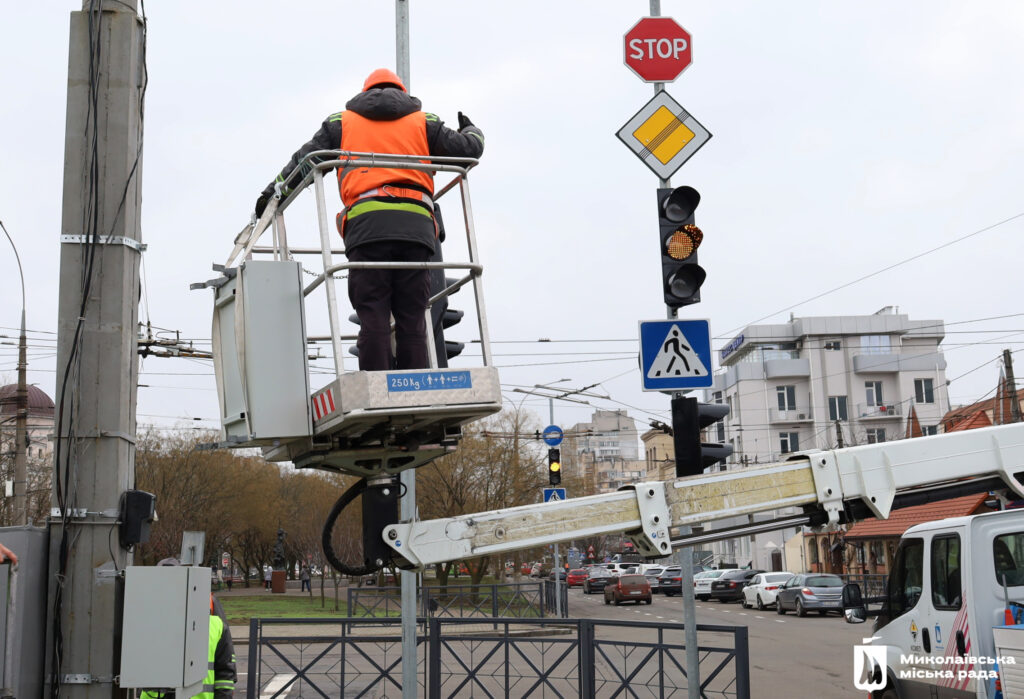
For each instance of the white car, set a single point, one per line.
(702, 583)
(763, 588)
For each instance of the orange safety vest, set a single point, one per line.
(404, 136)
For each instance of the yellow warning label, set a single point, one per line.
(663, 134)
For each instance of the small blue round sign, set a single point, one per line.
(552, 435)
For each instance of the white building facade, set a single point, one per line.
(822, 382)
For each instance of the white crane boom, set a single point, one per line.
(829, 486)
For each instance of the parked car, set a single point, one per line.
(576, 577)
(811, 591)
(729, 586)
(627, 587)
(652, 574)
(561, 575)
(597, 579)
(537, 571)
(670, 582)
(702, 583)
(763, 588)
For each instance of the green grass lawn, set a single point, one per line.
(240, 608)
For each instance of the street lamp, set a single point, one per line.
(21, 407)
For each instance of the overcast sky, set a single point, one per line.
(847, 137)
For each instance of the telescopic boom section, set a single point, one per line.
(828, 487)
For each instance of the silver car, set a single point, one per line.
(652, 576)
(817, 591)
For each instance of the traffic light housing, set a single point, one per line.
(554, 466)
(679, 239)
(442, 317)
(707, 415)
(688, 419)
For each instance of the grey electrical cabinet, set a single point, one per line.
(260, 354)
(166, 631)
(23, 614)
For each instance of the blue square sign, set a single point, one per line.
(675, 354)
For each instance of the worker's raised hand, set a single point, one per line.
(261, 205)
(7, 555)
(464, 121)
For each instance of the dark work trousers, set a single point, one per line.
(377, 294)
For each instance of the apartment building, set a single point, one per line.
(607, 450)
(822, 382)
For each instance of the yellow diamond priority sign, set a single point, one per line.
(663, 135)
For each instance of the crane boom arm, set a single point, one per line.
(831, 484)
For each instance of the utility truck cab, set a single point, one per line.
(950, 584)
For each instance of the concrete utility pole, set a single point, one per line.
(1015, 415)
(20, 407)
(97, 368)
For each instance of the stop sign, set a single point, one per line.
(657, 49)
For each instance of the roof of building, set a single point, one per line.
(901, 520)
(978, 419)
(39, 404)
(957, 415)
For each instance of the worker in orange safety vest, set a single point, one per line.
(389, 212)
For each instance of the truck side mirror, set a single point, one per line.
(854, 609)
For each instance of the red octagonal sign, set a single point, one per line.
(657, 49)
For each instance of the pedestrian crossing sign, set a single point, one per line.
(675, 354)
(554, 494)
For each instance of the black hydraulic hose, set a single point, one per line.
(346, 498)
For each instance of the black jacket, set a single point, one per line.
(385, 104)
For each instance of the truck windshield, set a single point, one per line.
(1008, 555)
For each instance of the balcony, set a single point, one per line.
(797, 415)
(886, 361)
(876, 412)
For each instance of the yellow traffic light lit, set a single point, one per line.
(684, 242)
(554, 466)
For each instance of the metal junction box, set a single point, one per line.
(260, 354)
(23, 616)
(166, 633)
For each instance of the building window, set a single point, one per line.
(789, 442)
(716, 397)
(787, 397)
(923, 391)
(876, 435)
(929, 430)
(833, 345)
(875, 344)
(873, 390)
(837, 408)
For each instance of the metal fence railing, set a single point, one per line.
(516, 600)
(871, 584)
(515, 658)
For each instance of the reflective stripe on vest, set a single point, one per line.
(405, 136)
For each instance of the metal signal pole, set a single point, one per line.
(685, 553)
(97, 366)
(410, 664)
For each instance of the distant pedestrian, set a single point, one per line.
(266, 577)
(304, 578)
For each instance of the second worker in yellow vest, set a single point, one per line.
(389, 214)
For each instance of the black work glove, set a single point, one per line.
(261, 205)
(464, 121)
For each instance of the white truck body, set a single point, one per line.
(945, 596)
